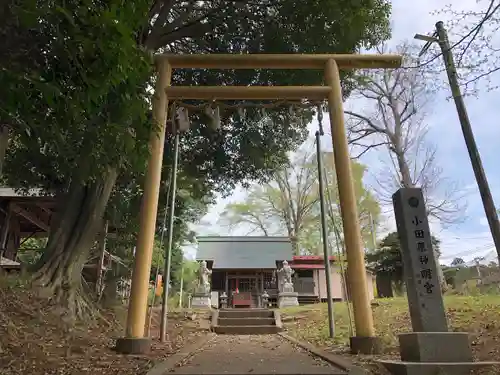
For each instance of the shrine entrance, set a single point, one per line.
(330, 91)
(244, 290)
(243, 283)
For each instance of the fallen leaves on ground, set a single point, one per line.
(35, 340)
(478, 315)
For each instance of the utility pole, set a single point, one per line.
(441, 37)
(170, 230)
(324, 235)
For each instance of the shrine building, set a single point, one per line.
(245, 267)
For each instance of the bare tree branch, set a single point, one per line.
(475, 42)
(173, 23)
(397, 121)
(290, 202)
(474, 33)
(367, 148)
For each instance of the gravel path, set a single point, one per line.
(260, 354)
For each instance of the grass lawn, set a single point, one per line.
(478, 315)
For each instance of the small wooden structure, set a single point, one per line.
(28, 215)
(9, 265)
(23, 216)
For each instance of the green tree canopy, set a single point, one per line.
(458, 262)
(386, 259)
(288, 204)
(84, 110)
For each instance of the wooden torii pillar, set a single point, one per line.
(365, 340)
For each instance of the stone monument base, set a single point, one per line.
(435, 347)
(286, 299)
(129, 345)
(429, 353)
(441, 368)
(366, 345)
(201, 301)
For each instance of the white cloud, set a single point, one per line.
(483, 222)
(453, 243)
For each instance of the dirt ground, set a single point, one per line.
(266, 354)
(34, 339)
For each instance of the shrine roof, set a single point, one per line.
(250, 252)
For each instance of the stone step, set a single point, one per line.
(246, 330)
(245, 313)
(308, 300)
(245, 321)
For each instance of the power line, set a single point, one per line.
(469, 252)
(473, 238)
(475, 31)
(478, 248)
(441, 37)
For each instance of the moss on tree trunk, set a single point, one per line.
(58, 273)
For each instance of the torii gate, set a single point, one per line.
(364, 341)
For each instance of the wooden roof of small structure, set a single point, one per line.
(34, 209)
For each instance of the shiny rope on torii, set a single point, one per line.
(180, 110)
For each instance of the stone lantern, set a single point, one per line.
(223, 300)
(265, 299)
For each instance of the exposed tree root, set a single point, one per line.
(35, 340)
(71, 301)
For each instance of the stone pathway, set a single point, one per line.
(260, 354)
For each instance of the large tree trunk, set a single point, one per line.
(73, 232)
(295, 245)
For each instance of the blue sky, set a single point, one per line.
(471, 237)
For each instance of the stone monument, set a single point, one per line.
(201, 296)
(430, 349)
(286, 295)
